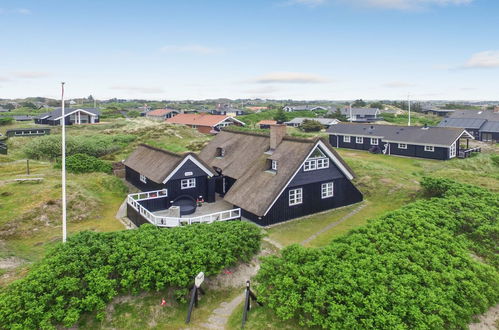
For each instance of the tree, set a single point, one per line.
(280, 116)
(133, 114)
(9, 106)
(310, 125)
(29, 105)
(377, 105)
(359, 103)
(90, 98)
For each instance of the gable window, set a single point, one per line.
(310, 165)
(322, 163)
(273, 165)
(327, 190)
(346, 138)
(143, 178)
(429, 148)
(402, 146)
(374, 141)
(295, 196)
(359, 139)
(188, 183)
(220, 152)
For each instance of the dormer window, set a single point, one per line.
(273, 165)
(316, 161)
(220, 152)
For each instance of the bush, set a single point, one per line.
(85, 273)
(309, 125)
(408, 269)
(6, 120)
(495, 159)
(82, 163)
(49, 146)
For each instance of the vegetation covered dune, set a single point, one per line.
(429, 265)
(85, 273)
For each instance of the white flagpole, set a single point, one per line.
(409, 107)
(63, 122)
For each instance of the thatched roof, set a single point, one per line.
(246, 159)
(157, 164)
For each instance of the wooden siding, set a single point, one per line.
(345, 193)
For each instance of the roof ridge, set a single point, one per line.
(161, 150)
(265, 134)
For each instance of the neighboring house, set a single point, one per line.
(326, 122)
(266, 178)
(482, 124)
(227, 110)
(291, 108)
(438, 112)
(161, 114)
(361, 114)
(71, 116)
(265, 124)
(440, 143)
(23, 118)
(27, 132)
(204, 123)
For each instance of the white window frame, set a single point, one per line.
(273, 165)
(327, 190)
(402, 145)
(188, 183)
(453, 150)
(295, 196)
(346, 138)
(374, 141)
(143, 178)
(429, 148)
(359, 138)
(310, 165)
(322, 163)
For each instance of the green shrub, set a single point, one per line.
(6, 120)
(408, 269)
(91, 268)
(82, 163)
(49, 146)
(310, 125)
(495, 159)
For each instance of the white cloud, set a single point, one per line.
(405, 4)
(486, 59)
(193, 49)
(398, 84)
(138, 89)
(19, 11)
(290, 78)
(30, 74)
(309, 3)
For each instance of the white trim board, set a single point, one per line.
(70, 113)
(229, 118)
(195, 161)
(331, 156)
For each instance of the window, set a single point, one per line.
(322, 163)
(188, 183)
(429, 148)
(310, 165)
(359, 139)
(374, 141)
(194, 126)
(220, 152)
(295, 196)
(274, 165)
(402, 146)
(452, 150)
(143, 178)
(327, 190)
(346, 139)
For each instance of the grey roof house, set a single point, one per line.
(482, 124)
(326, 122)
(72, 116)
(361, 114)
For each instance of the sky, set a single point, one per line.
(276, 49)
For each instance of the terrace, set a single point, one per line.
(155, 207)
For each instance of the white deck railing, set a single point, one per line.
(161, 221)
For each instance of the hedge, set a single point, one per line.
(91, 268)
(410, 268)
(82, 163)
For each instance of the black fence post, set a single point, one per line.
(248, 296)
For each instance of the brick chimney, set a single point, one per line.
(277, 133)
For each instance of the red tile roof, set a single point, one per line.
(267, 122)
(159, 112)
(197, 119)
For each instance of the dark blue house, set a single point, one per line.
(72, 116)
(440, 143)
